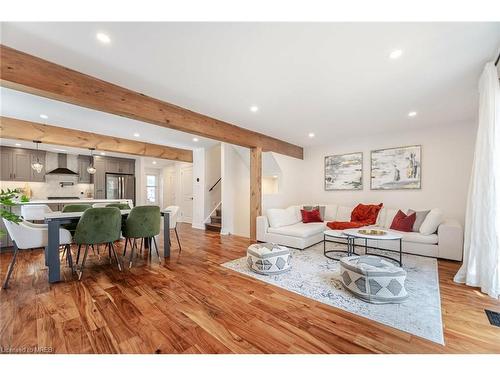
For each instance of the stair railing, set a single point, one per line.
(207, 219)
(214, 185)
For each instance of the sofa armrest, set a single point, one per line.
(262, 226)
(450, 240)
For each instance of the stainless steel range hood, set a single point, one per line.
(62, 166)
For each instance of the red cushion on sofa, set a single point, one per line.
(366, 213)
(403, 222)
(312, 216)
(339, 225)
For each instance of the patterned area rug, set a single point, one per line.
(317, 277)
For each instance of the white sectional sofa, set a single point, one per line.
(438, 237)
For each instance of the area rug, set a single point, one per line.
(317, 277)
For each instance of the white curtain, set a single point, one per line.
(481, 266)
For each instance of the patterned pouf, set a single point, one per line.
(268, 258)
(373, 279)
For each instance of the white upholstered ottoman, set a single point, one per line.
(268, 258)
(373, 279)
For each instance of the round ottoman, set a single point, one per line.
(373, 279)
(268, 258)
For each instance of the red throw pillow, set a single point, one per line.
(366, 213)
(403, 222)
(312, 216)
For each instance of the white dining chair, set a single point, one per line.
(32, 212)
(173, 215)
(26, 235)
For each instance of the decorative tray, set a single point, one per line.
(372, 232)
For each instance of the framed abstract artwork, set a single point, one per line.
(344, 172)
(396, 168)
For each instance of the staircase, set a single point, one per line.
(215, 224)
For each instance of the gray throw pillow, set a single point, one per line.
(320, 208)
(421, 215)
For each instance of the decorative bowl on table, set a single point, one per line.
(372, 232)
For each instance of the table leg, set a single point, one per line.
(400, 253)
(166, 235)
(52, 259)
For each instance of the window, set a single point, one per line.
(152, 189)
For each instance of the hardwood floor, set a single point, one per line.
(190, 304)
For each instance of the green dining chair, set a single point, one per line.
(120, 206)
(143, 223)
(74, 208)
(98, 226)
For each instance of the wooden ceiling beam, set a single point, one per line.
(23, 72)
(12, 128)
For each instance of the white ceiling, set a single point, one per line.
(332, 79)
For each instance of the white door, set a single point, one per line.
(169, 196)
(186, 194)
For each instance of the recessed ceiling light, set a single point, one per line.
(195, 139)
(275, 176)
(103, 38)
(18, 144)
(137, 135)
(103, 153)
(412, 114)
(154, 161)
(254, 108)
(311, 135)
(396, 54)
(45, 117)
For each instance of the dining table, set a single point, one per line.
(54, 220)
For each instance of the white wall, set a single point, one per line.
(235, 192)
(199, 188)
(446, 164)
(212, 174)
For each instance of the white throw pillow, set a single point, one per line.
(330, 212)
(344, 213)
(431, 222)
(279, 217)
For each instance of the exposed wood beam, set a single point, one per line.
(25, 130)
(24, 72)
(255, 189)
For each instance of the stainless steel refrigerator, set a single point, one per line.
(120, 186)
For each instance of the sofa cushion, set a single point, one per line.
(343, 213)
(416, 237)
(330, 212)
(279, 217)
(367, 213)
(301, 230)
(389, 216)
(312, 216)
(403, 222)
(421, 215)
(320, 208)
(431, 222)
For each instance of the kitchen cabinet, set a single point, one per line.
(112, 165)
(84, 162)
(127, 166)
(6, 164)
(100, 178)
(16, 164)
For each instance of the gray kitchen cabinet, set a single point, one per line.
(84, 177)
(112, 165)
(21, 165)
(16, 164)
(35, 176)
(6, 164)
(99, 178)
(127, 166)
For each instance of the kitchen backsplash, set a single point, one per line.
(51, 187)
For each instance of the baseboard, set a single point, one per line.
(198, 226)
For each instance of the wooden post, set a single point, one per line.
(255, 189)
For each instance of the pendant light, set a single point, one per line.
(37, 166)
(91, 169)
